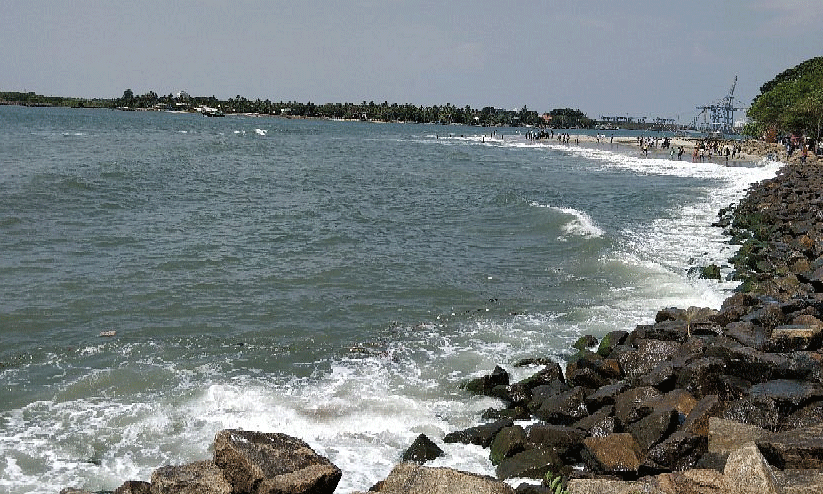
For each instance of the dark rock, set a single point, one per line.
(484, 385)
(525, 488)
(628, 406)
(796, 449)
(712, 461)
(269, 463)
(617, 454)
(481, 435)
(196, 478)
(697, 421)
(599, 424)
(810, 415)
(680, 451)
(515, 413)
(422, 450)
(73, 490)
(790, 338)
(646, 357)
(710, 272)
(800, 481)
(605, 395)
(565, 441)
(701, 377)
(520, 393)
(564, 408)
(611, 340)
(585, 342)
(748, 334)
(546, 391)
(134, 487)
(747, 410)
(786, 394)
(654, 427)
(508, 442)
(529, 464)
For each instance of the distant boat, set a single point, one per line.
(211, 112)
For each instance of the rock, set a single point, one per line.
(508, 442)
(616, 453)
(422, 450)
(565, 441)
(747, 472)
(611, 340)
(653, 428)
(702, 377)
(599, 424)
(602, 486)
(485, 384)
(635, 363)
(72, 490)
(800, 481)
(564, 408)
(697, 421)
(696, 481)
(481, 435)
(269, 463)
(521, 393)
(679, 451)
(529, 464)
(628, 405)
(787, 394)
(807, 416)
(585, 342)
(747, 334)
(791, 338)
(797, 449)
(763, 414)
(726, 436)
(195, 478)
(678, 400)
(605, 395)
(134, 487)
(409, 478)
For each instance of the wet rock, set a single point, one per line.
(134, 487)
(810, 415)
(697, 421)
(679, 451)
(649, 353)
(747, 472)
(616, 453)
(746, 333)
(605, 486)
(690, 482)
(269, 463)
(481, 435)
(799, 481)
(529, 464)
(508, 442)
(520, 393)
(591, 370)
(599, 424)
(763, 414)
(422, 450)
(612, 339)
(585, 342)
(195, 478)
(796, 449)
(564, 408)
(785, 395)
(628, 406)
(409, 478)
(565, 441)
(701, 377)
(653, 428)
(606, 395)
(73, 490)
(485, 384)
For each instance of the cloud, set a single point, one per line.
(792, 14)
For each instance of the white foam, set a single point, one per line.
(580, 224)
(261, 132)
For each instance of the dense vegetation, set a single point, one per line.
(32, 99)
(791, 103)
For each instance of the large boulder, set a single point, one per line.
(530, 464)
(564, 408)
(409, 478)
(134, 487)
(485, 384)
(203, 477)
(617, 454)
(508, 442)
(272, 463)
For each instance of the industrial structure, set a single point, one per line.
(718, 117)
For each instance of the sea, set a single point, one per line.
(334, 281)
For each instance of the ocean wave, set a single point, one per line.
(580, 223)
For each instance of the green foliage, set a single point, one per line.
(555, 483)
(792, 102)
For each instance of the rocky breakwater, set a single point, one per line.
(703, 400)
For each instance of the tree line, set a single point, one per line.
(790, 104)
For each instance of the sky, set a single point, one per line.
(616, 58)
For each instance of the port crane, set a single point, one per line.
(718, 117)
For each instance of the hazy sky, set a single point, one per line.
(641, 58)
